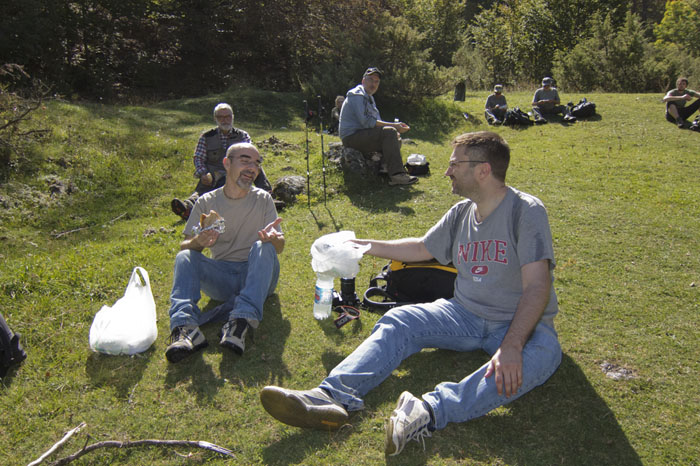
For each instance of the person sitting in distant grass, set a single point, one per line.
(208, 160)
(675, 99)
(335, 115)
(546, 102)
(496, 106)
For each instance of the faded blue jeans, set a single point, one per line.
(444, 324)
(242, 286)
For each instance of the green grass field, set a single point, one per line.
(621, 190)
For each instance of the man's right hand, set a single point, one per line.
(401, 127)
(204, 239)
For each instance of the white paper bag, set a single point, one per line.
(128, 327)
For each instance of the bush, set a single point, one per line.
(392, 45)
(19, 134)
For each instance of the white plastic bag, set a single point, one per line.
(128, 327)
(332, 254)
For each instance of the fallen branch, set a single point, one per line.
(58, 444)
(139, 443)
(64, 233)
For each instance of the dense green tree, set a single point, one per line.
(680, 25)
(618, 59)
(386, 41)
(441, 23)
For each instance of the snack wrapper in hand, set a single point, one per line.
(211, 221)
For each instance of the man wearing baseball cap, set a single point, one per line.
(362, 128)
(496, 106)
(546, 101)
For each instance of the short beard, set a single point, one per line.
(243, 183)
(226, 128)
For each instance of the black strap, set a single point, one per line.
(379, 305)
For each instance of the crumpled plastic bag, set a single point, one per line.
(332, 254)
(416, 159)
(128, 327)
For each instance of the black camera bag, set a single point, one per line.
(409, 283)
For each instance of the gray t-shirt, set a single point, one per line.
(493, 100)
(489, 255)
(543, 94)
(243, 218)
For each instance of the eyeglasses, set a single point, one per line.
(454, 164)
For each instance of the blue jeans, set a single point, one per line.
(442, 324)
(242, 286)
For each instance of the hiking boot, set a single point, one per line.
(540, 121)
(569, 118)
(402, 178)
(181, 208)
(184, 340)
(409, 421)
(304, 408)
(233, 334)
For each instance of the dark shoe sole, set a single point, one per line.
(178, 354)
(292, 411)
(235, 348)
(180, 209)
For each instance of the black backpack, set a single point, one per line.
(408, 283)
(11, 352)
(516, 117)
(583, 109)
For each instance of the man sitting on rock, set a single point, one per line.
(208, 159)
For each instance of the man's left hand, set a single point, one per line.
(270, 235)
(402, 127)
(507, 365)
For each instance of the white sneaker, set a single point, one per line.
(409, 421)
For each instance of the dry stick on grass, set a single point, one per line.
(117, 444)
(58, 444)
(64, 233)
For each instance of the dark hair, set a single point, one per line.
(680, 80)
(492, 147)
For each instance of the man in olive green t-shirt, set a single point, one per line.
(676, 111)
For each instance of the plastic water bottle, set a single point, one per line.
(323, 296)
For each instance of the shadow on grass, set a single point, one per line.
(562, 422)
(373, 193)
(261, 361)
(122, 373)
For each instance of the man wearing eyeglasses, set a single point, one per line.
(243, 269)
(504, 303)
(208, 159)
(362, 128)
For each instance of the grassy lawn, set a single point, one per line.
(621, 191)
